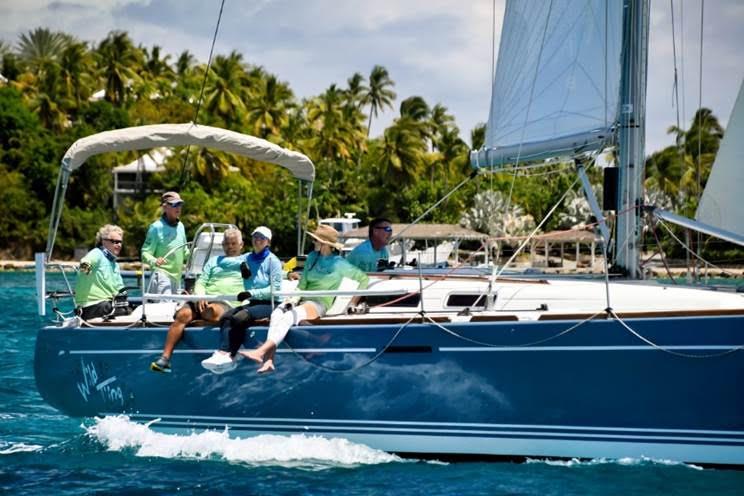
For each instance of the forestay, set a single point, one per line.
(555, 92)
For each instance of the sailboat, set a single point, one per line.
(456, 365)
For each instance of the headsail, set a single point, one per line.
(721, 204)
(556, 87)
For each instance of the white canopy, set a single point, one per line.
(170, 135)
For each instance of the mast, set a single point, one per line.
(631, 136)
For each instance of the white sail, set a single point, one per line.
(721, 204)
(555, 92)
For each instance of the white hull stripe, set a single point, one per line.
(211, 350)
(441, 349)
(535, 448)
(436, 425)
(449, 432)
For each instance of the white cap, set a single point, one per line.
(263, 231)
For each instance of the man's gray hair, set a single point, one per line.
(105, 231)
(233, 233)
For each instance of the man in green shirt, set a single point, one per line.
(221, 275)
(165, 248)
(99, 279)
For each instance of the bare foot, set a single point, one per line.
(253, 355)
(267, 367)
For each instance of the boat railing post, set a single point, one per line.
(40, 262)
(421, 287)
(143, 319)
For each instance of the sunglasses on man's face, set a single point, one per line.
(385, 228)
(114, 241)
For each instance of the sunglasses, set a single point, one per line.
(385, 228)
(259, 236)
(175, 204)
(114, 241)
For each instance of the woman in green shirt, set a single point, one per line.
(324, 270)
(99, 279)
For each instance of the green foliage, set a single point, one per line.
(20, 224)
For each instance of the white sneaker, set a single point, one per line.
(220, 362)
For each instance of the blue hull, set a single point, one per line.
(596, 391)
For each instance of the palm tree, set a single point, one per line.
(184, 63)
(119, 62)
(210, 166)
(225, 92)
(356, 91)
(333, 137)
(679, 172)
(478, 137)
(45, 101)
(440, 123)
(379, 95)
(267, 111)
(401, 154)
(75, 75)
(39, 47)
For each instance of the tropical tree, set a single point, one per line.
(497, 215)
(40, 47)
(478, 137)
(402, 152)
(355, 92)
(680, 172)
(379, 93)
(334, 138)
(226, 88)
(440, 123)
(184, 63)
(267, 110)
(118, 62)
(76, 65)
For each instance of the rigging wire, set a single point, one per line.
(688, 250)
(184, 166)
(699, 236)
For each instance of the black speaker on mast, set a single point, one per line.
(609, 189)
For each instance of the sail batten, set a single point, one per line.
(557, 77)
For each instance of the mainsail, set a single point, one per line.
(555, 92)
(721, 204)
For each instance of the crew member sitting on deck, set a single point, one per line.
(165, 248)
(367, 255)
(99, 279)
(221, 275)
(262, 273)
(324, 271)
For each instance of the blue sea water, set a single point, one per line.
(45, 452)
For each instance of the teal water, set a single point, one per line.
(44, 452)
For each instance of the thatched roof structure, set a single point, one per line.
(428, 232)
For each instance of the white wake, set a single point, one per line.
(119, 433)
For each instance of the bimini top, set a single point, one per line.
(170, 135)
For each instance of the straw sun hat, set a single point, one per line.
(326, 235)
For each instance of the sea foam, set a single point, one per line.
(644, 460)
(10, 448)
(118, 433)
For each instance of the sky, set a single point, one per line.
(438, 49)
